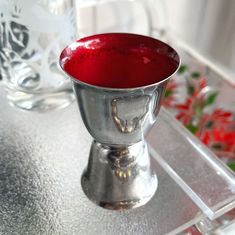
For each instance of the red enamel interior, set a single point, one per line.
(119, 60)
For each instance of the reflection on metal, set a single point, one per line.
(119, 177)
(123, 164)
(135, 119)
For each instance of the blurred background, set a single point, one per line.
(206, 26)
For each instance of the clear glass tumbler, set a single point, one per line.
(32, 36)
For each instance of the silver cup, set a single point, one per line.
(119, 173)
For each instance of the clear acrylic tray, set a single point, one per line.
(202, 176)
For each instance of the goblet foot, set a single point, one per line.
(119, 177)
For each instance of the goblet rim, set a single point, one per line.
(102, 88)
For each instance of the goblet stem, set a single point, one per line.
(119, 177)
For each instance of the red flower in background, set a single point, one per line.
(221, 139)
(216, 129)
(188, 110)
(169, 98)
(218, 116)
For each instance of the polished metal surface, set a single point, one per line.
(119, 177)
(125, 114)
(118, 120)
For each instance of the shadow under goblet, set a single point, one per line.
(119, 81)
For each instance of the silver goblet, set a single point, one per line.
(118, 111)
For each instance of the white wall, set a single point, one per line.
(206, 25)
